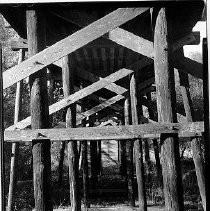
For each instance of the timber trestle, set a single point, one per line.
(108, 63)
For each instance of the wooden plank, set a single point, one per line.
(15, 146)
(86, 75)
(77, 96)
(193, 129)
(19, 44)
(145, 47)
(188, 39)
(35, 23)
(166, 98)
(99, 107)
(131, 41)
(188, 65)
(2, 171)
(69, 44)
(101, 100)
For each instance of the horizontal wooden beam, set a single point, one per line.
(78, 95)
(18, 44)
(107, 133)
(69, 44)
(188, 65)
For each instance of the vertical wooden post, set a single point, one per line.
(122, 150)
(138, 147)
(164, 77)
(93, 159)
(99, 163)
(156, 148)
(85, 165)
(147, 156)
(2, 196)
(68, 88)
(60, 166)
(39, 113)
(15, 146)
(195, 142)
(129, 156)
(206, 93)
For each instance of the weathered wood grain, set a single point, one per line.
(166, 98)
(135, 113)
(35, 22)
(69, 44)
(129, 154)
(77, 96)
(107, 133)
(73, 159)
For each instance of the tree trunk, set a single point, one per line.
(195, 142)
(164, 77)
(138, 147)
(39, 113)
(129, 157)
(68, 88)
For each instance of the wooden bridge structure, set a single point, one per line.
(114, 56)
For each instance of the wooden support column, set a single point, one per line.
(15, 146)
(129, 155)
(206, 95)
(2, 170)
(73, 159)
(60, 166)
(148, 163)
(99, 158)
(164, 77)
(195, 142)
(93, 158)
(39, 113)
(85, 164)
(138, 147)
(122, 152)
(155, 146)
